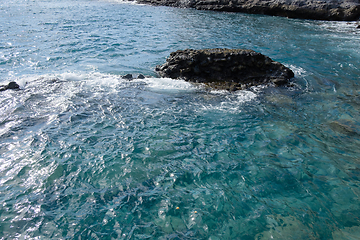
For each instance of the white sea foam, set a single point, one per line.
(229, 102)
(168, 85)
(340, 26)
(245, 96)
(109, 81)
(298, 71)
(91, 78)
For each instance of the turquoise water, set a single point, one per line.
(85, 154)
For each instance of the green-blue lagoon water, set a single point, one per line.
(86, 154)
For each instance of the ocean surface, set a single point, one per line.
(86, 154)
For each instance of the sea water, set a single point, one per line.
(86, 154)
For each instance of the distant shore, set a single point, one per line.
(333, 10)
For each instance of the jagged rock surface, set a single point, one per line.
(11, 85)
(230, 69)
(338, 10)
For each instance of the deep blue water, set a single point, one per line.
(85, 154)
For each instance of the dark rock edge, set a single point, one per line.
(334, 10)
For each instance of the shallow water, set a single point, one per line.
(86, 154)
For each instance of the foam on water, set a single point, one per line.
(168, 85)
(86, 145)
(349, 27)
(227, 102)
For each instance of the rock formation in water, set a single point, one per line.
(230, 69)
(131, 77)
(11, 85)
(345, 127)
(338, 10)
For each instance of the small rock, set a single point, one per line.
(11, 85)
(345, 127)
(141, 76)
(281, 227)
(128, 76)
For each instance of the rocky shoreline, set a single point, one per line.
(334, 10)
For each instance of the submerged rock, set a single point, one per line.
(285, 227)
(11, 85)
(230, 69)
(339, 10)
(345, 127)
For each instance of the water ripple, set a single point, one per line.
(87, 154)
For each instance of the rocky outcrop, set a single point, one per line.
(11, 85)
(339, 10)
(230, 69)
(131, 77)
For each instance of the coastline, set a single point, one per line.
(301, 9)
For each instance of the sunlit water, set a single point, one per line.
(86, 154)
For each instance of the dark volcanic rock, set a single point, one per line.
(230, 69)
(11, 85)
(128, 76)
(339, 10)
(141, 76)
